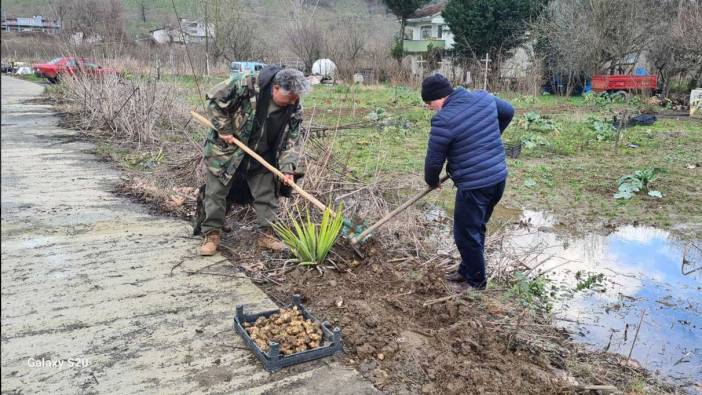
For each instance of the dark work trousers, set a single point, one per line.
(472, 212)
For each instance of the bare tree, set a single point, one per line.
(686, 32)
(303, 33)
(347, 43)
(233, 36)
(99, 21)
(585, 37)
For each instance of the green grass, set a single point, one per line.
(394, 144)
(572, 175)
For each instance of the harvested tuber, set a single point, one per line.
(289, 329)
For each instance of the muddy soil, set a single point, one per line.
(404, 347)
(404, 329)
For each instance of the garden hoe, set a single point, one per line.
(348, 227)
(366, 233)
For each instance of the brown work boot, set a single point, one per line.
(226, 228)
(210, 242)
(268, 240)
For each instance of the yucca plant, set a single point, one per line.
(309, 242)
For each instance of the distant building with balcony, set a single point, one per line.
(36, 23)
(193, 32)
(426, 29)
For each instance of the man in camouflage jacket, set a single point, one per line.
(266, 116)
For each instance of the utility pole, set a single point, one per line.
(207, 38)
(487, 61)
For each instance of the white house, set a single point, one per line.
(426, 26)
(193, 31)
(425, 29)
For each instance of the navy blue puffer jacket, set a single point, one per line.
(467, 132)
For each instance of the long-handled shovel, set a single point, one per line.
(370, 229)
(349, 228)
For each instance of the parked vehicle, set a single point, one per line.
(237, 70)
(614, 83)
(8, 68)
(59, 67)
(14, 67)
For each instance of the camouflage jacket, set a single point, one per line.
(240, 107)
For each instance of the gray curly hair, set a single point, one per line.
(292, 80)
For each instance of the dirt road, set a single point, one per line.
(95, 291)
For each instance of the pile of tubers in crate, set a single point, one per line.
(288, 328)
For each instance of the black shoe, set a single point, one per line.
(455, 277)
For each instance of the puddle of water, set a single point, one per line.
(632, 270)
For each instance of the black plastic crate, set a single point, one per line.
(273, 360)
(512, 150)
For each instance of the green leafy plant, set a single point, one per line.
(601, 129)
(603, 99)
(309, 242)
(376, 115)
(531, 292)
(630, 184)
(533, 140)
(534, 122)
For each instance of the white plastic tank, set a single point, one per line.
(696, 103)
(324, 67)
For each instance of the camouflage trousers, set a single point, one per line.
(265, 201)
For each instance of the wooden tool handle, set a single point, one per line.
(395, 212)
(278, 173)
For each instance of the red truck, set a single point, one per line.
(54, 69)
(613, 83)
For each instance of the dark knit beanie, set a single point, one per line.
(435, 87)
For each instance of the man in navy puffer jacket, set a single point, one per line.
(466, 132)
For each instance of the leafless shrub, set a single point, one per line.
(31, 47)
(98, 24)
(132, 110)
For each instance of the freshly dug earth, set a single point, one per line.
(402, 329)
(287, 328)
(462, 345)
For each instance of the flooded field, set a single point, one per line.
(603, 286)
